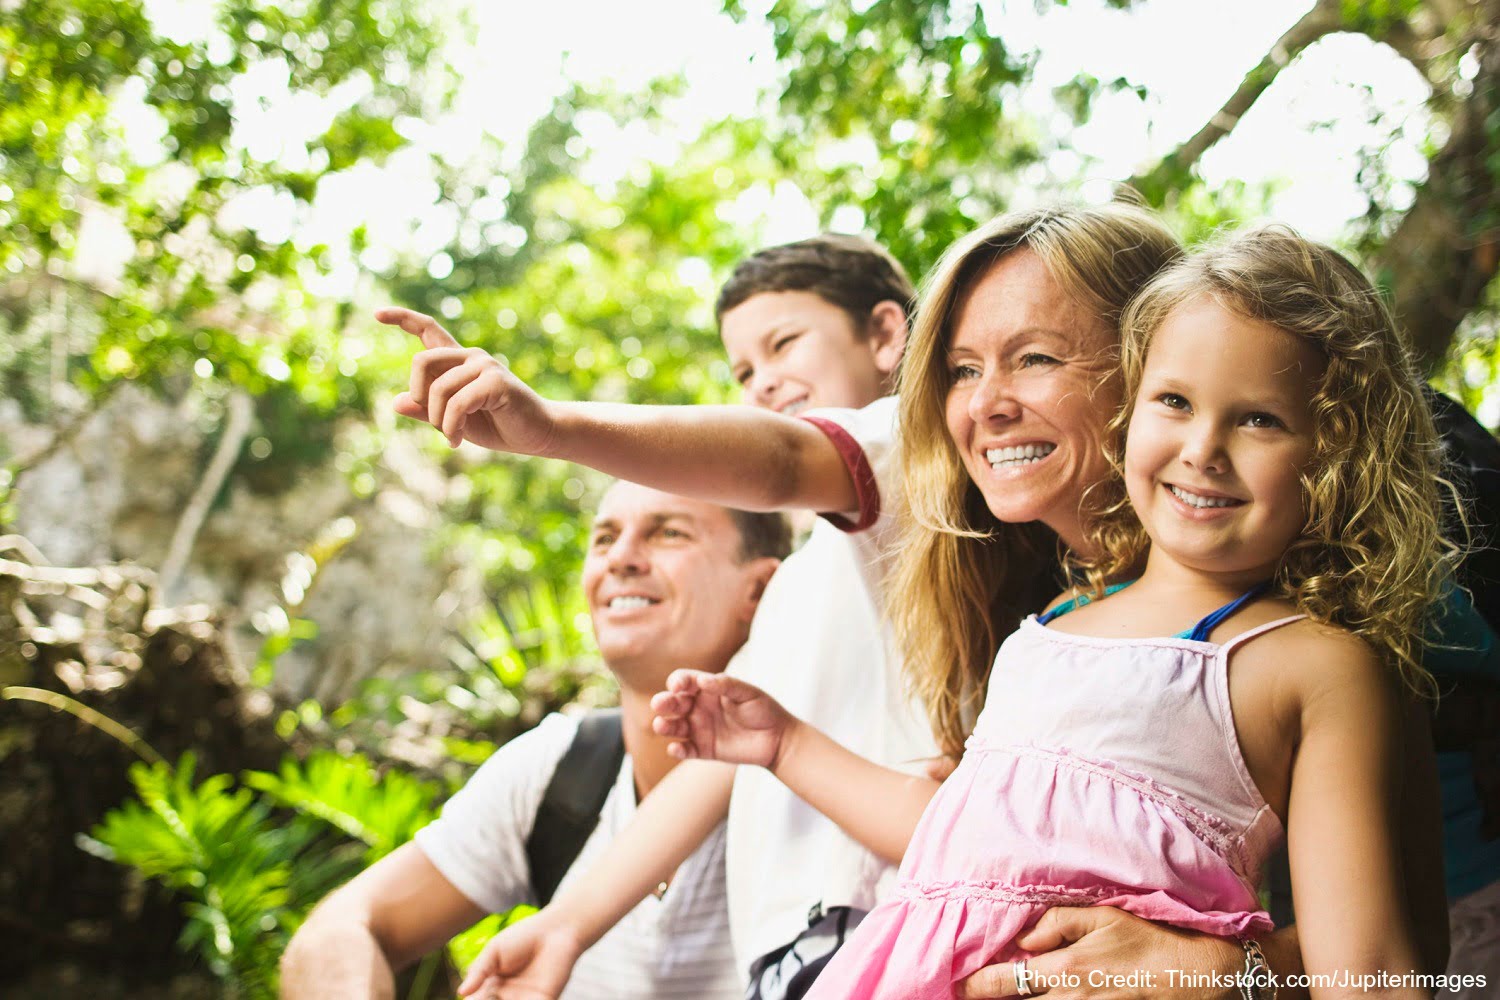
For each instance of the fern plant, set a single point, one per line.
(250, 861)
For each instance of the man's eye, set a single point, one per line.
(673, 533)
(1032, 359)
(602, 541)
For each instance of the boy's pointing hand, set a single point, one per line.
(467, 394)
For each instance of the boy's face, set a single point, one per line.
(792, 351)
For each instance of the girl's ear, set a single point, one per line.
(887, 338)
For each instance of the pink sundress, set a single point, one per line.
(1102, 772)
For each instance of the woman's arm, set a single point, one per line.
(723, 718)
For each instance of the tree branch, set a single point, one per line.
(236, 429)
(1323, 19)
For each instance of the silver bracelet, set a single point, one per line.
(1256, 980)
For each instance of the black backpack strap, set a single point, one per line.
(574, 797)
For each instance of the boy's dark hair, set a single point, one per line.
(850, 272)
(762, 535)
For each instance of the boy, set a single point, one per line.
(820, 323)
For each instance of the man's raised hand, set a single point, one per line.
(720, 718)
(468, 394)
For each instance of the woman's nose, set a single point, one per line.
(993, 398)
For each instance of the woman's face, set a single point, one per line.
(1030, 393)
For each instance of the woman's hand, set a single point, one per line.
(1113, 955)
(720, 718)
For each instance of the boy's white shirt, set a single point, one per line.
(820, 646)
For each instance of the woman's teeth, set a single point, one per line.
(1194, 500)
(627, 603)
(1024, 454)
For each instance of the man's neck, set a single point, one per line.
(648, 752)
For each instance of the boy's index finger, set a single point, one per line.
(419, 325)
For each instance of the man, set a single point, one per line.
(669, 582)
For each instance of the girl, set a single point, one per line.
(1280, 469)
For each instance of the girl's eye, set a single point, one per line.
(1033, 359)
(1173, 401)
(1262, 420)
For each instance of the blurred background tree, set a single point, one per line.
(219, 542)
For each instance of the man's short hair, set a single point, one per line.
(850, 272)
(762, 535)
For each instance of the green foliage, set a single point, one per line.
(242, 871)
(250, 861)
(382, 811)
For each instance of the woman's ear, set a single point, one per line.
(888, 329)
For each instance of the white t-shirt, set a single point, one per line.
(820, 646)
(673, 947)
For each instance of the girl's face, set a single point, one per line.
(1221, 432)
(1030, 394)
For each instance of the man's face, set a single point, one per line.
(665, 584)
(791, 351)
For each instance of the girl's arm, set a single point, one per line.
(723, 718)
(1343, 827)
(536, 955)
(738, 456)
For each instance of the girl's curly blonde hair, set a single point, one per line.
(1371, 558)
(962, 580)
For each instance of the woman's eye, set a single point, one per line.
(1173, 401)
(1032, 359)
(1262, 420)
(962, 373)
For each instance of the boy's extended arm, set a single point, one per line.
(738, 456)
(670, 823)
(717, 717)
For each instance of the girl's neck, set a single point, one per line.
(1167, 575)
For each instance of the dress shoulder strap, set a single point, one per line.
(1246, 636)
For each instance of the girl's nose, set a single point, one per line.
(1204, 450)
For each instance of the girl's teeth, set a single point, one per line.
(1023, 454)
(625, 603)
(1194, 500)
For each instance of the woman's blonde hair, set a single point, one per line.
(961, 579)
(1372, 558)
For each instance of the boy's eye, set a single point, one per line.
(1263, 420)
(1173, 401)
(742, 375)
(1032, 359)
(781, 342)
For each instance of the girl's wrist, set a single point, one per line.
(786, 747)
